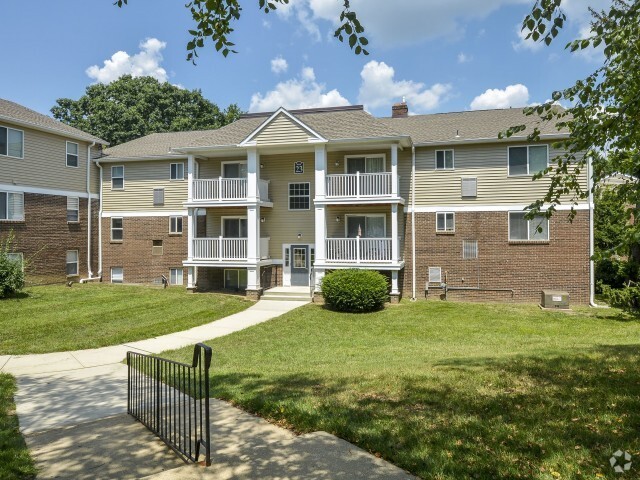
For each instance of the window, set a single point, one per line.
(235, 279)
(469, 187)
(73, 209)
(234, 227)
(175, 225)
(11, 206)
(11, 142)
(444, 159)
(158, 197)
(528, 160)
(445, 222)
(365, 164)
(300, 257)
(72, 154)
(117, 229)
(299, 195)
(117, 275)
(522, 229)
(156, 248)
(366, 226)
(435, 275)
(177, 171)
(117, 178)
(287, 252)
(72, 262)
(175, 276)
(16, 257)
(234, 170)
(469, 249)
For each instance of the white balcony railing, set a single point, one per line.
(225, 249)
(358, 185)
(359, 250)
(226, 189)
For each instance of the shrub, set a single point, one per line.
(627, 298)
(354, 290)
(11, 272)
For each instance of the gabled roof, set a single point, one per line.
(296, 121)
(25, 117)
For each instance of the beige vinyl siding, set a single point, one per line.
(140, 178)
(282, 131)
(45, 163)
(281, 224)
(488, 163)
(214, 219)
(336, 161)
(339, 229)
(212, 168)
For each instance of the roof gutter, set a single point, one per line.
(64, 133)
(108, 159)
(551, 136)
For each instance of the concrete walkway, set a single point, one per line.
(72, 411)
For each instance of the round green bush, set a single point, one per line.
(354, 290)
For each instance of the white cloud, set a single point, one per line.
(300, 10)
(463, 58)
(301, 92)
(512, 96)
(380, 89)
(525, 43)
(279, 65)
(144, 63)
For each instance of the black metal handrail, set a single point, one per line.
(172, 400)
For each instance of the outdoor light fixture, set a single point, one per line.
(262, 219)
(338, 219)
(299, 235)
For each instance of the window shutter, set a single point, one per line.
(435, 275)
(16, 206)
(469, 249)
(469, 187)
(158, 196)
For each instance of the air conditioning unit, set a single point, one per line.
(554, 299)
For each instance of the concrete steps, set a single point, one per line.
(287, 294)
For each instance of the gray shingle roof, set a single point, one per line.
(350, 123)
(470, 125)
(22, 115)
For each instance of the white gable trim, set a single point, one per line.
(249, 141)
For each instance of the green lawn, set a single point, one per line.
(58, 318)
(448, 390)
(15, 461)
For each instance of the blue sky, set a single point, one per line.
(442, 55)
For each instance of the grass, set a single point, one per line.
(15, 461)
(448, 390)
(58, 318)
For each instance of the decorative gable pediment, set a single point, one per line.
(282, 128)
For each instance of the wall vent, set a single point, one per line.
(469, 187)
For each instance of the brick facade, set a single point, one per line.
(526, 267)
(134, 252)
(45, 236)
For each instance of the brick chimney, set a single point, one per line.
(400, 110)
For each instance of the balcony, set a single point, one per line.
(359, 185)
(226, 190)
(222, 249)
(359, 250)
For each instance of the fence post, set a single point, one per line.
(158, 393)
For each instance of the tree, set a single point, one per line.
(131, 107)
(213, 20)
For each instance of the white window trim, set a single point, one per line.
(77, 210)
(445, 222)
(77, 263)
(111, 229)
(22, 219)
(17, 130)
(111, 274)
(383, 155)
(346, 222)
(171, 167)
(453, 159)
(177, 269)
(222, 164)
(66, 158)
(171, 232)
(112, 177)
(237, 270)
(535, 240)
(509, 174)
(233, 217)
(297, 196)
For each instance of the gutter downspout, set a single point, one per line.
(413, 223)
(592, 274)
(100, 225)
(89, 212)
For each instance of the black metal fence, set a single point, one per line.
(172, 400)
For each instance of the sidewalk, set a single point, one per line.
(72, 411)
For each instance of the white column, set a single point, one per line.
(191, 224)
(191, 278)
(319, 273)
(394, 234)
(253, 278)
(394, 283)
(253, 173)
(253, 234)
(321, 171)
(191, 175)
(394, 170)
(321, 234)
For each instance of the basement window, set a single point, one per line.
(117, 275)
(176, 276)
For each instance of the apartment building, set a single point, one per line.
(48, 194)
(281, 198)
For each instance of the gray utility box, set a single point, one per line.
(554, 299)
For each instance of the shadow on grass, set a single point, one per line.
(526, 417)
(16, 296)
